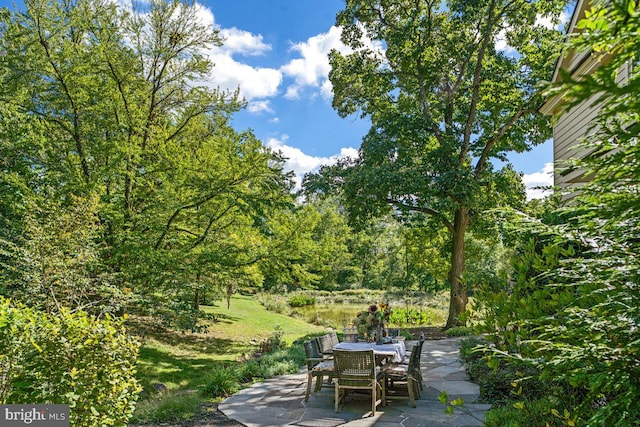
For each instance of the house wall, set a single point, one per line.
(572, 127)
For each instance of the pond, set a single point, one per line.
(334, 315)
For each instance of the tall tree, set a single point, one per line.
(446, 96)
(109, 102)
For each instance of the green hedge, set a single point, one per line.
(68, 358)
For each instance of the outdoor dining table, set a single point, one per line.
(393, 352)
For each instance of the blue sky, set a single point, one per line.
(276, 53)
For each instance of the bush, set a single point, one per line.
(411, 317)
(249, 370)
(301, 300)
(221, 382)
(459, 331)
(68, 358)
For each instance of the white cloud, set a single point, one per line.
(301, 163)
(542, 178)
(257, 107)
(254, 82)
(274, 120)
(243, 42)
(312, 68)
(229, 74)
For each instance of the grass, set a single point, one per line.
(247, 319)
(182, 360)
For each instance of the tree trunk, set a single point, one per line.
(459, 299)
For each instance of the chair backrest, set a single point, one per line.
(333, 338)
(311, 352)
(324, 343)
(414, 357)
(419, 345)
(354, 368)
(350, 337)
(394, 333)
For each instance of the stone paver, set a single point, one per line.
(280, 401)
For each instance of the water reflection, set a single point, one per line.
(335, 315)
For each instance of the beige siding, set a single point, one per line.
(571, 128)
(569, 131)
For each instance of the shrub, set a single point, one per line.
(68, 358)
(459, 331)
(221, 382)
(248, 370)
(301, 300)
(410, 317)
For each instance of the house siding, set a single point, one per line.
(574, 126)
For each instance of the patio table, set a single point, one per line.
(394, 352)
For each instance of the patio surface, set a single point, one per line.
(280, 401)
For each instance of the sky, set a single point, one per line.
(275, 51)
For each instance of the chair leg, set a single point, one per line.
(337, 395)
(411, 388)
(374, 398)
(319, 380)
(309, 379)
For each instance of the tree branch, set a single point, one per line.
(423, 209)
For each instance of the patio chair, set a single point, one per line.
(395, 373)
(407, 360)
(333, 338)
(317, 367)
(356, 370)
(325, 344)
(350, 335)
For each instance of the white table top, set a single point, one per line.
(396, 350)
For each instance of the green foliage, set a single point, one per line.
(284, 361)
(103, 104)
(572, 309)
(459, 331)
(539, 412)
(68, 358)
(411, 317)
(248, 371)
(221, 382)
(443, 100)
(301, 300)
(170, 407)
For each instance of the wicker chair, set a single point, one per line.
(350, 335)
(404, 373)
(325, 344)
(333, 338)
(356, 370)
(317, 367)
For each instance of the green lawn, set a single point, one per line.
(182, 360)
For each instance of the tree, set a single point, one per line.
(109, 102)
(444, 101)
